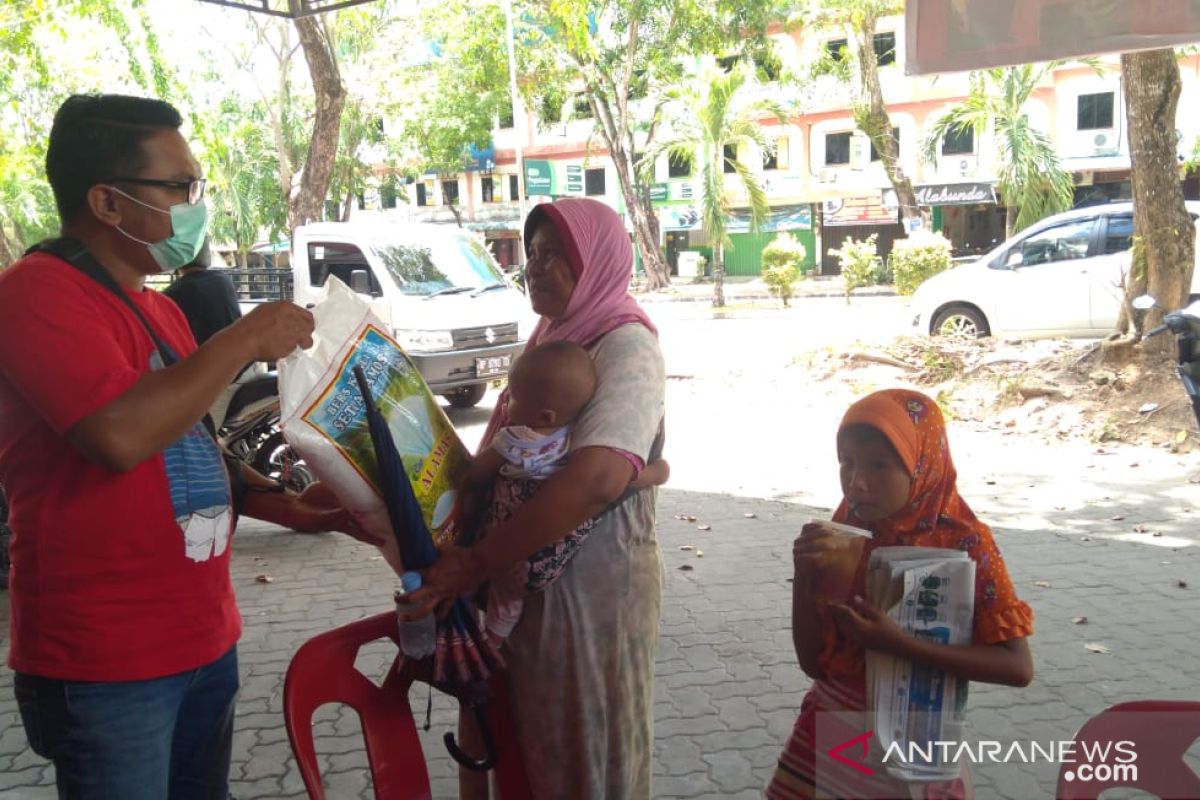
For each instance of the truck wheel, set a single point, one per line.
(960, 321)
(467, 396)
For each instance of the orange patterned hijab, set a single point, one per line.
(935, 517)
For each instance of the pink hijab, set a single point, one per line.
(601, 257)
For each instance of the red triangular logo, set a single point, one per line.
(862, 740)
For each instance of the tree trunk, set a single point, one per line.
(10, 250)
(717, 237)
(873, 119)
(308, 203)
(718, 275)
(1164, 236)
(637, 205)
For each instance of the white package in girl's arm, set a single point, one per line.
(324, 419)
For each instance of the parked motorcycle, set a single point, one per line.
(1185, 324)
(250, 431)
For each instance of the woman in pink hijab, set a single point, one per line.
(581, 658)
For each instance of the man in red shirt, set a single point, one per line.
(124, 623)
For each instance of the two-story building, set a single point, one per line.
(825, 182)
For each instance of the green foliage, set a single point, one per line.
(709, 112)
(41, 63)
(241, 165)
(458, 93)
(1031, 180)
(782, 265)
(919, 257)
(859, 261)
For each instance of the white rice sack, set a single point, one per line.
(324, 418)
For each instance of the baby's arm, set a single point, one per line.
(656, 473)
(1008, 663)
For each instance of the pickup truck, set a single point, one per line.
(435, 287)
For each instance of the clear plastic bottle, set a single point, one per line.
(419, 636)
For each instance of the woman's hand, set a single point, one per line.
(825, 561)
(867, 626)
(458, 571)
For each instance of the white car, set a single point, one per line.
(1062, 276)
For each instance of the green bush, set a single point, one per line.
(919, 257)
(783, 265)
(859, 260)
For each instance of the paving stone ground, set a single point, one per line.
(727, 684)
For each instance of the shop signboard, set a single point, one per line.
(867, 210)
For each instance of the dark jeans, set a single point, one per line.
(135, 740)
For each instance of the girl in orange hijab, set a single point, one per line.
(898, 481)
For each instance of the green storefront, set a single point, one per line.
(744, 255)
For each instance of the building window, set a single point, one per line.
(731, 156)
(779, 158)
(837, 148)
(506, 118)
(836, 48)
(959, 141)
(488, 189)
(895, 138)
(581, 108)
(422, 197)
(514, 188)
(450, 192)
(593, 182)
(679, 166)
(885, 48)
(1095, 111)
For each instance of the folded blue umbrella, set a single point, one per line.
(464, 658)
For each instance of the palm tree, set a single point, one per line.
(707, 113)
(1031, 182)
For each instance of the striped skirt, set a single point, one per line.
(802, 773)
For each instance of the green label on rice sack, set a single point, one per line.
(434, 457)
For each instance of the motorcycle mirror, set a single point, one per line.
(1145, 302)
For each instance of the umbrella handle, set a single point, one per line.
(489, 745)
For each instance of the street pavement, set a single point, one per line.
(1109, 535)
(727, 684)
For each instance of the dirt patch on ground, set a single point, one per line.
(1057, 389)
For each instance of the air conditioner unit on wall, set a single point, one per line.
(1104, 144)
(827, 175)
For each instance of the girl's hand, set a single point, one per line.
(826, 560)
(866, 625)
(458, 571)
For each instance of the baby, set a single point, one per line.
(548, 388)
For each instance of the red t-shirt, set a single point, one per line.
(115, 576)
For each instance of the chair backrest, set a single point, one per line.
(1162, 732)
(323, 671)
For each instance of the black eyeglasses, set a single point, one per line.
(194, 187)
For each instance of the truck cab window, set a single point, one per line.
(339, 260)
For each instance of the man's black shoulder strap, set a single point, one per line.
(75, 253)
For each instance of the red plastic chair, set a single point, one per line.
(1161, 742)
(323, 671)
